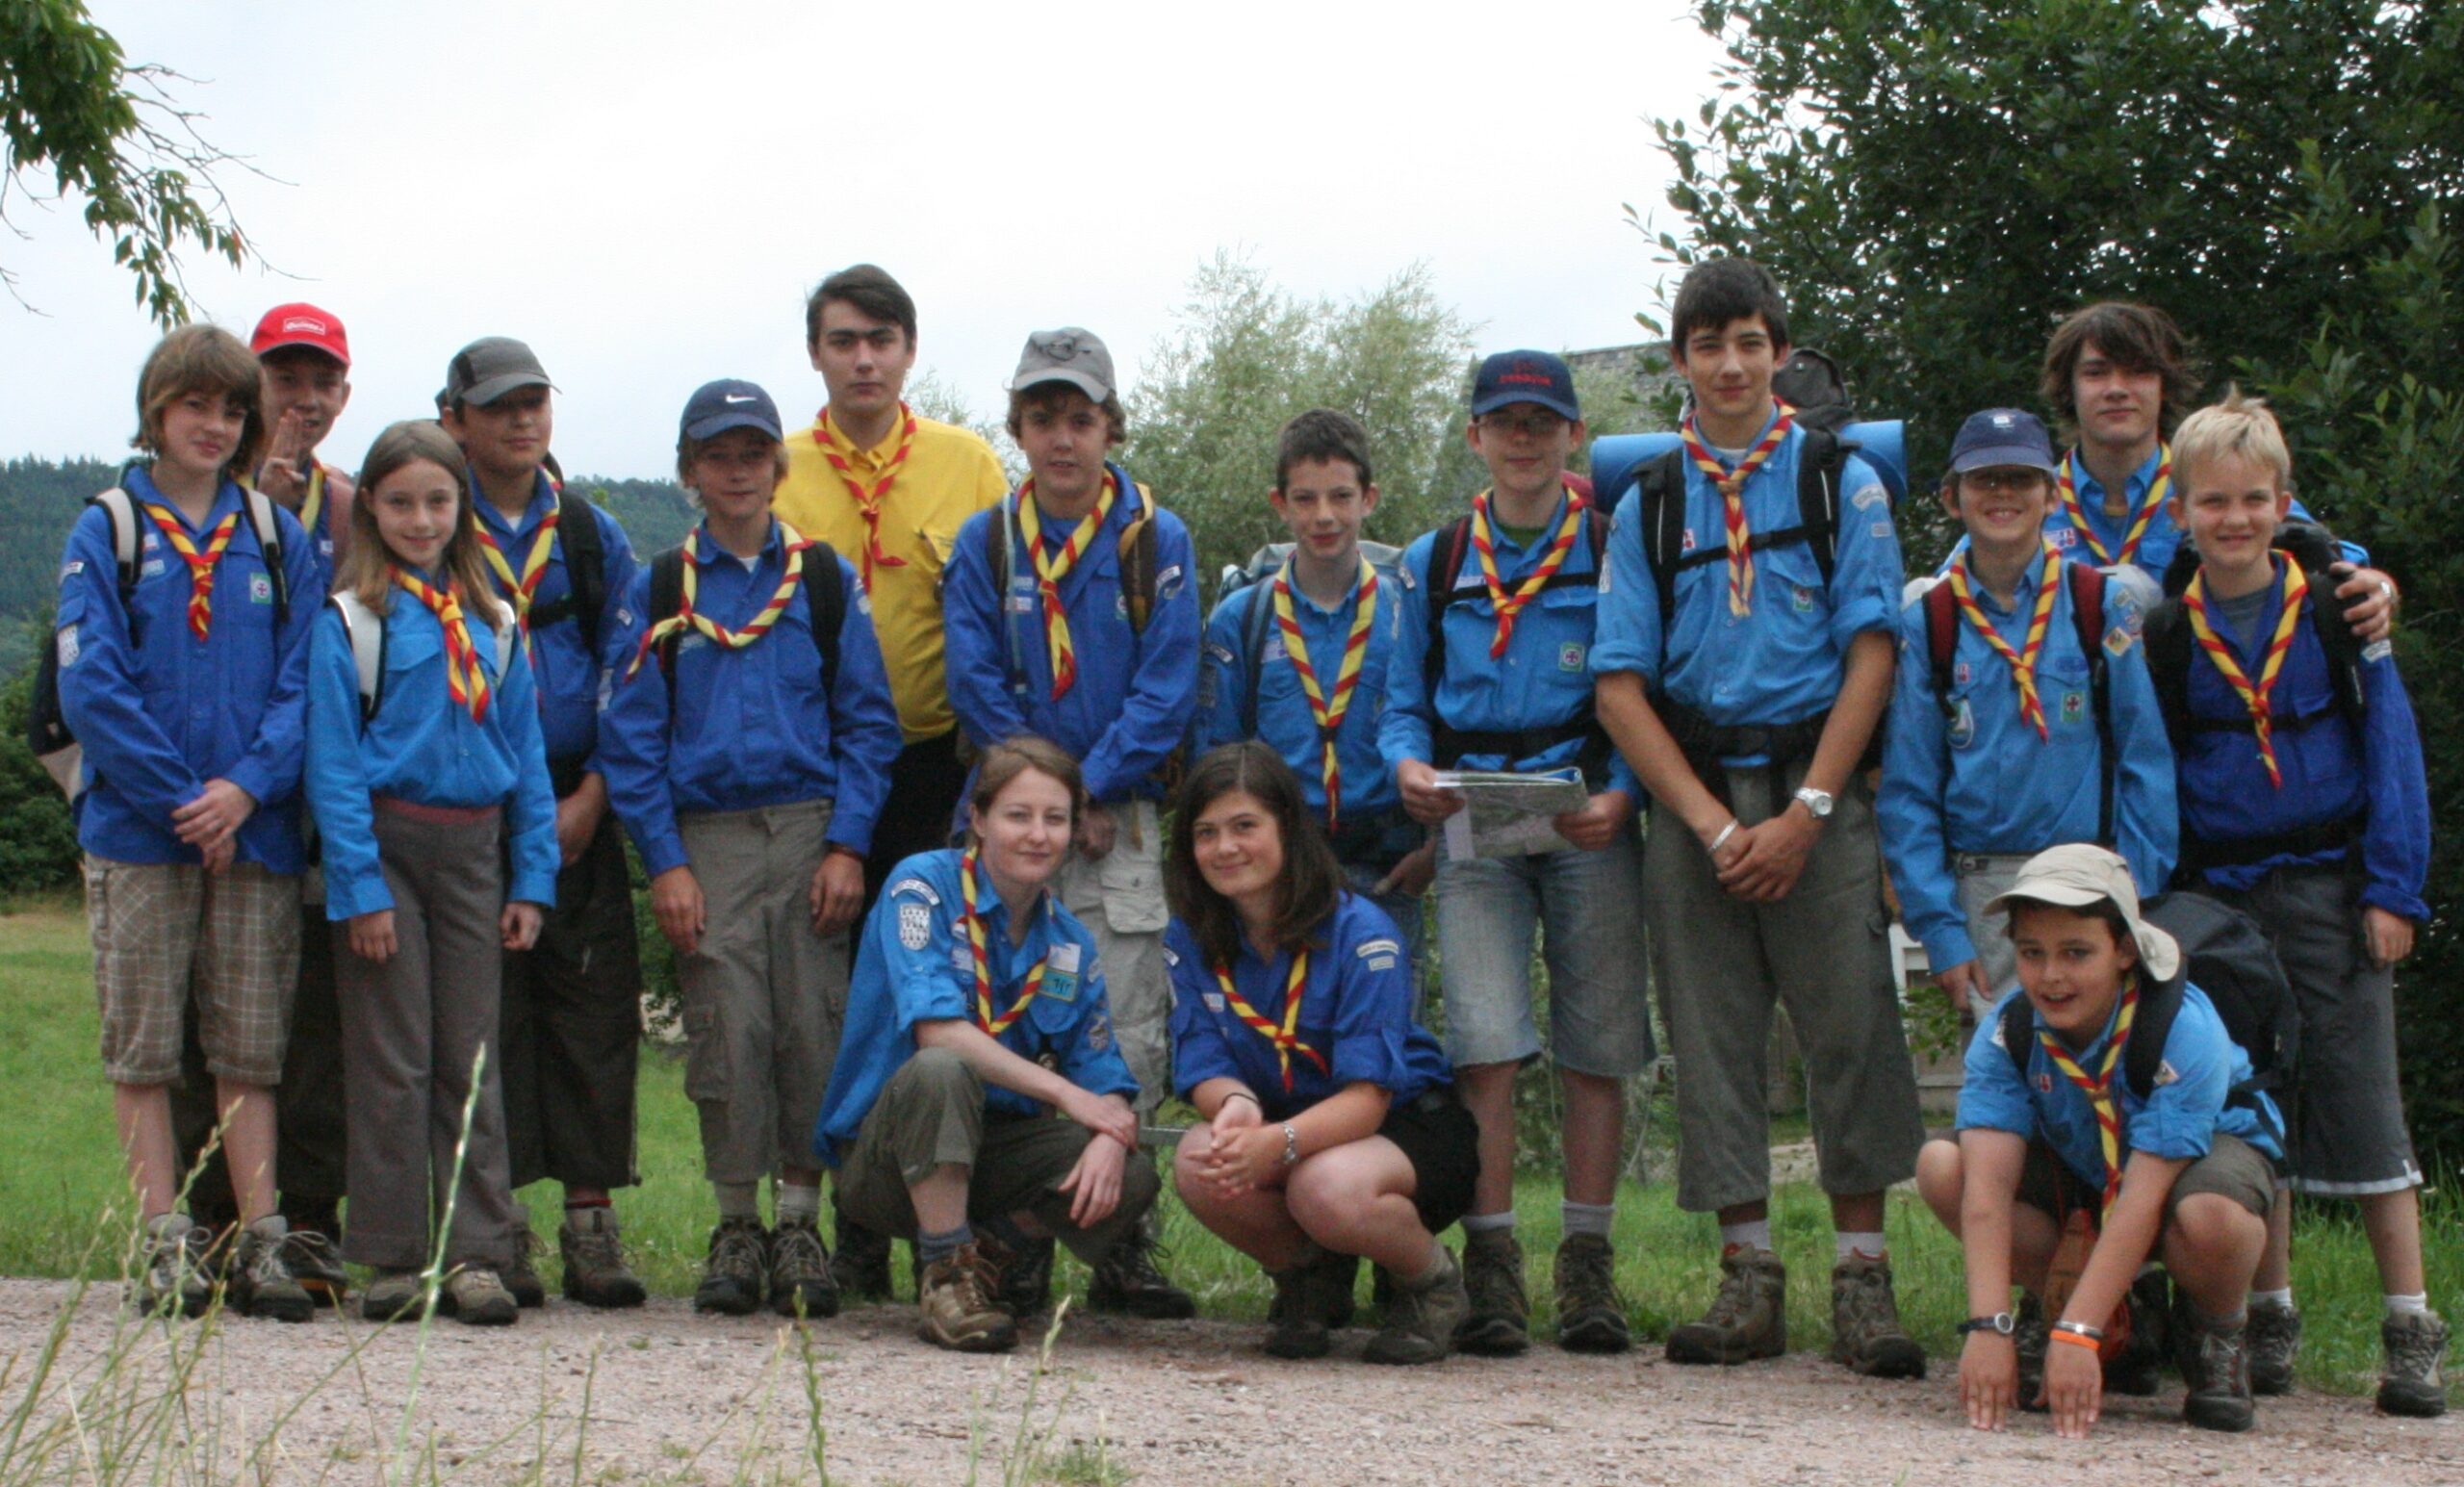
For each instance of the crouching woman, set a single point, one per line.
(1332, 1129)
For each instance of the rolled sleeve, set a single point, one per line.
(1628, 636)
(1404, 732)
(1994, 1096)
(1908, 808)
(1199, 1051)
(1867, 575)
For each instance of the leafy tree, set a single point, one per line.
(1936, 183)
(74, 109)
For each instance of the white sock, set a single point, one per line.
(2278, 1298)
(799, 1202)
(2416, 1304)
(1870, 1244)
(1488, 1223)
(1753, 1234)
(1585, 1218)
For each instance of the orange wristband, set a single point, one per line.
(2077, 1340)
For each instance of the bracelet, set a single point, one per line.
(1241, 1094)
(1291, 1144)
(2079, 1329)
(2062, 1334)
(1722, 839)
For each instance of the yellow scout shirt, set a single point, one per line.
(949, 475)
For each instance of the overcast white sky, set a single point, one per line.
(645, 191)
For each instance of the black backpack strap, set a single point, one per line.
(1821, 458)
(2018, 1031)
(2088, 622)
(2160, 1002)
(585, 595)
(667, 597)
(1943, 642)
(268, 530)
(1137, 549)
(1257, 632)
(825, 585)
(1661, 486)
(2166, 635)
(999, 541)
(1444, 566)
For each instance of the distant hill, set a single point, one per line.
(39, 500)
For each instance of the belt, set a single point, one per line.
(434, 815)
(1987, 861)
(2199, 854)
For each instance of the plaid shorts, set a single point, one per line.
(161, 927)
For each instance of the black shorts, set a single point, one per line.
(1443, 1145)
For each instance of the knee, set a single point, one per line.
(1322, 1204)
(938, 1072)
(1140, 1186)
(1940, 1175)
(2209, 1226)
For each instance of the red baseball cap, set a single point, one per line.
(301, 324)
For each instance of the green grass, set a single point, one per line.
(59, 1171)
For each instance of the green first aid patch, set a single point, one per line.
(1570, 655)
(2075, 706)
(260, 589)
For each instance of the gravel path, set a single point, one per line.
(673, 1398)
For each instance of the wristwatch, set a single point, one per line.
(2000, 1321)
(1818, 801)
(1291, 1144)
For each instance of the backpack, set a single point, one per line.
(1661, 485)
(1258, 625)
(825, 589)
(47, 734)
(585, 595)
(365, 629)
(2170, 641)
(2086, 619)
(2227, 956)
(1445, 571)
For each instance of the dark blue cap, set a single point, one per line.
(1537, 377)
(729, 403)
(2002, 436)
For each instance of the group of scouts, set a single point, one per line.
(973, 843)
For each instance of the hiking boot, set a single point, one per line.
(595, 1271)
(1305, 1302)
(2274, 1345)
(478, 1296)
(1497, 1319)
(1423, 1322)
(317, 1266)
(954, 1304)
(1126, 1279)
(173, 1282)
(2415, 1342)
(2030, 1338)
(2218, 1375)
(1591, 1316)
(860, 1267)
(1026, 1276)
(394, 1295)
(1865, 1333)
(520, 1279)
(736, 1269)
(261, 1281)
(800, 1283)
(2153, 1314)
(1748, 1319)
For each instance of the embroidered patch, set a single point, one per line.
(1223, 653)
(2075, 706)
(1801, 597)
(67, 646)
(962, 959)
(1169, 958)
(1570, 657)
(2044, 1084)
(1996, 1039)
(1099, 1033)
(1960, 675)
(1060, 986)
(624, 617)
(72, 568)
(863, 602)
(2165, 1073)
(1870, 497)
(260, 589)
(1688, 546)
(1370, 947)
(1120, 605)
(1881, 530)
(150, 568)
(1022, 604)
(1063, 959)
(2064, 539)
(2118, 641)
(1214, 1000)
(2378, 651)
(914, 925)
(1963, 731)
(914, 888)
(1168, 583)
(1384, 962)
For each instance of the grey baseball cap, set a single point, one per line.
(1071, 354)
(2078, 875)
(488, 369)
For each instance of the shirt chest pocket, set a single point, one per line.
(411, 649)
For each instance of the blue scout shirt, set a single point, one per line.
(1544, 678)
(1136, 690)
(2163, 540)
(158, 712)
(1785, 661)
(2178, 1121)
(2332, 771)
(752, 728)
(913, 964)
(1985, 783)
(1355, 1012)
(1285, 721)
(568, 674)
(422, 746)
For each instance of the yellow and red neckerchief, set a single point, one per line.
(687, 617)
(2077, 514)
(1051, 569)
(2100, 1090)
(2022, 662)
(200, 564)
(1731, 484)
(1284, 1036)
(2296, 587)
(1328, 714)
(463, 678)
(522, 591)
(1510, 606)
(868, 497)
(992, 1025)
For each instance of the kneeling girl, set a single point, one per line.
(1332, 1129)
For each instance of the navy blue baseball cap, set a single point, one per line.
(2002, 436)
(1509, 378)
(729, 403)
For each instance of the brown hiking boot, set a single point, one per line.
(800, 1281)
(1748, 1318)
(2275, 1346)
(1591, 1316)
(736, 1269)
(1865, 1333)
(1422, 1319)
(955, 1306)
(2217, 1367)
(2415, 1344)
(521, 1278)
(1127, 1279)
(1307, 1299)
(476, 1297)
(595, 1271)
(1497, 1319)
(860, 1265)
